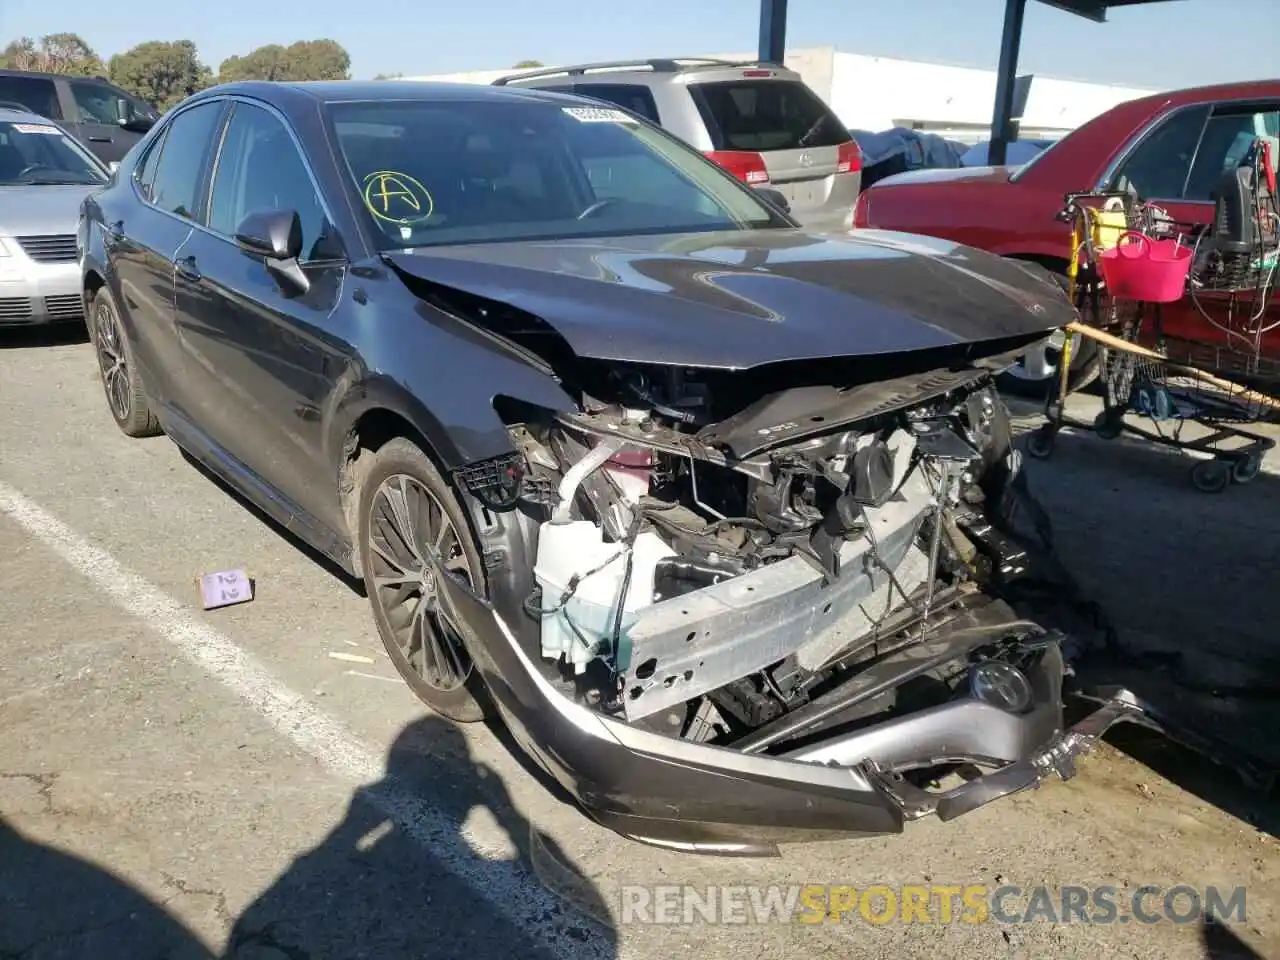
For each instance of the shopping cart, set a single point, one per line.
(1122, 269)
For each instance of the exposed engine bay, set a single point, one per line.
(814, 562)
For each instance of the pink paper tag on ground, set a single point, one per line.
(225, 588)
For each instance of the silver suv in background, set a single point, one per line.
(757, 120)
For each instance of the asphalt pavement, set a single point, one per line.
(256, 782)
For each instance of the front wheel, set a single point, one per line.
(407, 515)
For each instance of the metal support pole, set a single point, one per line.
(1006, 74)
(773, 31)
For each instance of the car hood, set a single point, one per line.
(740, 299)
(41, 210)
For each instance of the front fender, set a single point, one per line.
(442, 377)
(95, 264)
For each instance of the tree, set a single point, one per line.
(304, 60)
(528, 64)
(388, 76)
(53, 53)
(160, 72)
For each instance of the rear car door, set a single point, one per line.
(97, 107)
(807, 153)
(143, 233)
(260, 352)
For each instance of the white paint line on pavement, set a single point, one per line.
(514, 891)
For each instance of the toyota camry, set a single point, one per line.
(708, 509)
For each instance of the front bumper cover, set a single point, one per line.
(1058, 756)
(711, 799)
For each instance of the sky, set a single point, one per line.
(1162, 45)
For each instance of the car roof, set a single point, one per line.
(294, 93)
(653, 71)
(44, 75)
(1245, 90)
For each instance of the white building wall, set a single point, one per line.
(876, 93)
(906, 92)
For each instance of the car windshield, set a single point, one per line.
(39, 153)
(444, 172)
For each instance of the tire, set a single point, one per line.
(1108, 425)
(1247, 468)
(1211, 476)
(1040, 442)
(122, 385)
(427, 650)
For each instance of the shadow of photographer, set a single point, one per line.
(371, 889)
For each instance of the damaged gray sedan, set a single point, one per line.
(710, 510)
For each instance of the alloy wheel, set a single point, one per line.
(408, 527)
(111, 360)
(1040, 363)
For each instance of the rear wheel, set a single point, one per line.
(121, 379)
(407, 515)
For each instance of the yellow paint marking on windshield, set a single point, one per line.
(396, 197)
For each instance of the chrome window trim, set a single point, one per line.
(1136, 140)
(220, 138)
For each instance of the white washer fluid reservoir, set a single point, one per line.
(583, 628)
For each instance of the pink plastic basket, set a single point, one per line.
(1139, 268)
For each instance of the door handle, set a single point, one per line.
(99, 139)
(187, 269)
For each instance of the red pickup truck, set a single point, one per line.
(1172, 148)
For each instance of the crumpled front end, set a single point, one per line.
(727, 612)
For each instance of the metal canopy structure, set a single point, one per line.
(1003, 131)
(773, 37)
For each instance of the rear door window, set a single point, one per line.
(764, 115)
(187, 145)
(96, 102)
(37, 94)
(629, 96)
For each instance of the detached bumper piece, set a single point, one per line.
(1058, 757)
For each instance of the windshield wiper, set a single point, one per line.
(811, 132)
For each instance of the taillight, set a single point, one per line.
(757, 73)
(746, 166)
(848, 158)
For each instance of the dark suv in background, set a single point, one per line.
(103, 117)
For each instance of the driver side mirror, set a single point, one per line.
(276, 236)
(130, 119)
